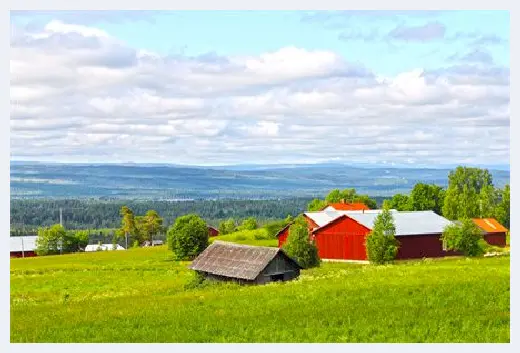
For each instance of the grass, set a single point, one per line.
(140, 295)
(249, 237)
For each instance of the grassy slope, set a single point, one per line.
(257, 237)
(139, 296)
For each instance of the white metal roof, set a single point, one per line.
(25, 243)
(322, 217)
(406, 223)
(94, 247)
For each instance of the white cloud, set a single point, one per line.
(79, 94)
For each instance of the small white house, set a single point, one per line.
(103, 247)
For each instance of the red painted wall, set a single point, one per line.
(496, 239)
(213, 232)
(19, 254)
(419, 246)
(343, 239)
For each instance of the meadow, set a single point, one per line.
(143, 295)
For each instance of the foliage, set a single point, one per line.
(188, 237)
(274, 227)
(128, 226)
(381, 244)
(350, 196)
(147, 227)
(50, 240)
(398, 202)
(463, 236)
(412, 301)
(226, 227)
(316, 205)
(470, 194)
(427, 197)
(248, 224)
(502, 211)
(299, 247)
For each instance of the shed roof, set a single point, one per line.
(489, 225)
(235, 260)
(25, 243)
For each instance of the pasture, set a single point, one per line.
(142, 295)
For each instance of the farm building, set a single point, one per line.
(153, 243)
(245, 264)
(343, 206)
(213, 232)
(103, 247)
(494, 232)
(24, 246)
(340, 235)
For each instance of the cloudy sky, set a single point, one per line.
(212, 88)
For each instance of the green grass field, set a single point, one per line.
(140, 295)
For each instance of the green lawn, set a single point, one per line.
(140, 296)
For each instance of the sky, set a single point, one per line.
(406, 88)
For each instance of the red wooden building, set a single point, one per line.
(213, 232)
(340, 235)
(494, 232)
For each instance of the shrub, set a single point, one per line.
(299, 247)
(51, 239)
(464, 236)
(248, 224)
(188, 237)
(380, 243)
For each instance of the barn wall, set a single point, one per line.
(16, 254)
(419, 246)
(279, 264)
(343, 239)
(496, 239)
(213, 232)
(282, 237)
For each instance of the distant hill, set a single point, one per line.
(169, 182)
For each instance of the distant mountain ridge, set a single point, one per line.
(163, 181)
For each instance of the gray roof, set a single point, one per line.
(406, 222)
(25, 243)
(234, 260)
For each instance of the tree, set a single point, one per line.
(427, 197)
(381, 243)
(127, 223)
(50, 240)
(502, 211)
(316, 205)
(226, 227)
(463, 236)
(350, 196)
(398, 202)
(299, 247)
(248, 224)
(333, 196)
(188, 237)
(469, 194)
(148, 226)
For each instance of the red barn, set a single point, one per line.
(340, 235)
(213, 232)
(494, 232)
(23, 246)
(342, 206)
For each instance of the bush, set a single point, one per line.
(299, 247)
(380, 243)
(248, 224)
(464, 236)
(188, 237)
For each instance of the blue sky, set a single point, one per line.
(439, 64)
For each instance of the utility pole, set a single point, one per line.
(23, 252)
(126, 240)
(61, 217)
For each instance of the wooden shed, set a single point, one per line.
(245, 264)
(494, 233)
(213, 232)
